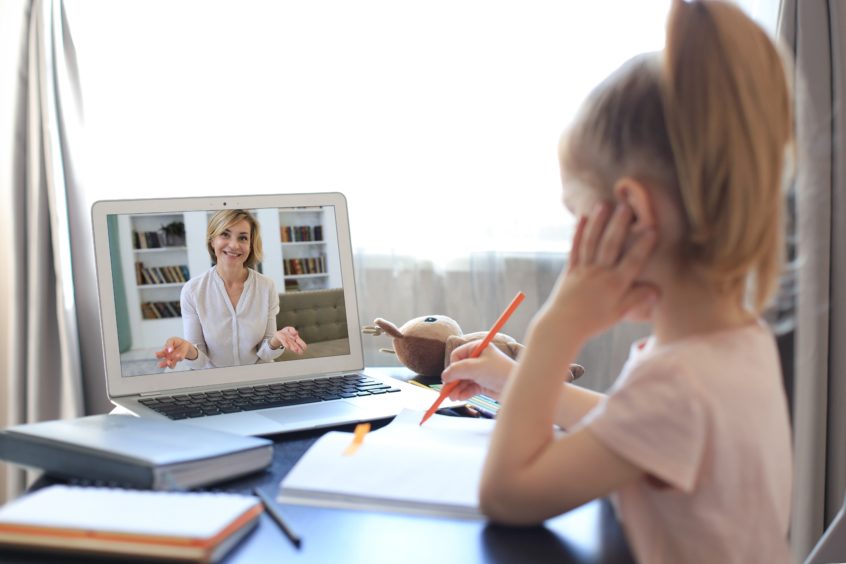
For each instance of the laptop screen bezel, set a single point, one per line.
(118, 385)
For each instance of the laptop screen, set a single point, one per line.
(169, 279)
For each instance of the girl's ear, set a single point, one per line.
(633, 193)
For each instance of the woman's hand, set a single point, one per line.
(598, 289)
(486, 374)
(291, 340)
(175, 350)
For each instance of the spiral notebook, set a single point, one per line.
(200, 527)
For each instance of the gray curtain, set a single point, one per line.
(815, 30)
(39, 114)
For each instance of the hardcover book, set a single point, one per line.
(186, 526)
(133, 451)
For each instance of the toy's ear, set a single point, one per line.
(513, 349)
(576, 371)
(388, 328)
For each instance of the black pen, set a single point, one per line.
(274, 513)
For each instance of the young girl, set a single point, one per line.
(674, 167)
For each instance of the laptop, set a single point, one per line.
(146, 253)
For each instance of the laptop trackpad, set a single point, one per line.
(315, 413)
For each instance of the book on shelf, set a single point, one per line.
(300, 233)
(134, 451)
(109, 521)
(148, 311)
(160, 309)
(305, 265)
(161, 274)
(400, 467)
(292, 285)
(171, 310)
(176, 272)
(152, 276)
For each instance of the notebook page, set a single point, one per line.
(439, 463)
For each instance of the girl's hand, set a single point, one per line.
(290, 339)
(175, 350)
(598, 288)
(486, 374)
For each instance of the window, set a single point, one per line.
(449, 108)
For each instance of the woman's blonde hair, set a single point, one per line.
(710, 122)
(224, 219)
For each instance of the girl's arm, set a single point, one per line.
(488, 374)
(529, 474)
(574, 402)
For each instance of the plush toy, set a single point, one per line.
(425, 344)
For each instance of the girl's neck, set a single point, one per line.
(689, 309)
(232, 276)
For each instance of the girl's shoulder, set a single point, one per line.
(720, 355)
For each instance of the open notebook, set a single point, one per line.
(433, 469)
(156, 281)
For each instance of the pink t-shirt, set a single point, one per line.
(706, 418)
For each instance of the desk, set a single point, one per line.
(587, 534)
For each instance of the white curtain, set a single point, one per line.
(815, 30)
(39, 344)
(474, 291)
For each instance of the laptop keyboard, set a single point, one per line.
(248, 398)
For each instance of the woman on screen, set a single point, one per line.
(229, 313)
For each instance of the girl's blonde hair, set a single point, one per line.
(224, 219)
(710, 122)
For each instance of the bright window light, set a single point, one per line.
(439, 120)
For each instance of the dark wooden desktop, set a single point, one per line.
(588, 534)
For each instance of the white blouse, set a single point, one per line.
(225, 335)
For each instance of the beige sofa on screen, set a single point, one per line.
(321, 319)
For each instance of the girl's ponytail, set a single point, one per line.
(729, 121)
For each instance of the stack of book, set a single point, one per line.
(105, 521)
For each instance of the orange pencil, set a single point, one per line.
(446, 390)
